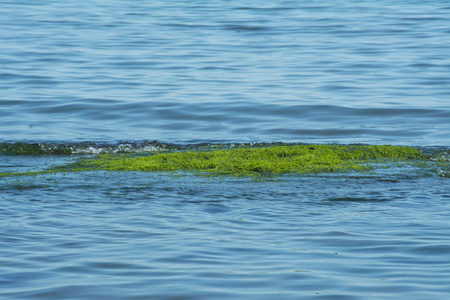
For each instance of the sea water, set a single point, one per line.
(107, 76)
(329, 71)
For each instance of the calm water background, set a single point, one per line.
(328, 71)
(224, 71)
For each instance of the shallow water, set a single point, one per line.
(113, 76)
(142, 236)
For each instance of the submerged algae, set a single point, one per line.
(247, 161)
(33, 149)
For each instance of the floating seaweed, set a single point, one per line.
(248, 161)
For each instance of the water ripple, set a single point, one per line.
(259, 69)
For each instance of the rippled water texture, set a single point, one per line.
(327, 71)
(114, 76)
(141, 236)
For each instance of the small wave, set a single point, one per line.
(92, 147)
(20, 148)
(357, 199)
(434, 153)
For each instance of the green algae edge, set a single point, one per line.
(270, 160)
(34, 149)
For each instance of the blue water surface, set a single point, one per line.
(180, 71)
(156, 236)
(185, 72)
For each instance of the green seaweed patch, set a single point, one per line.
(272, 160)
(34, 149)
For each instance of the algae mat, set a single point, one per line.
(255, 161)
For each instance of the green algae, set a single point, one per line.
(69, 148)
(21, 149)
(250, 161)
(34, 149)
(145, 146)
